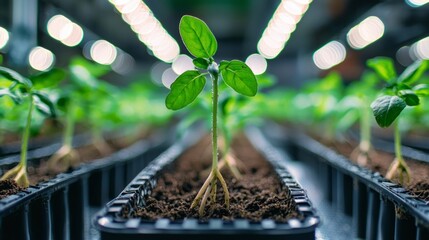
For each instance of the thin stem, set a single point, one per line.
(398, 150)
(26, 134)
(70, 121)
(214, 122)
(365, 126)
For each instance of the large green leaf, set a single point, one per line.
(185, 89)
(16, 77)
(239, 77)
(48, 79)
(421, 89)
(82, 77)
(386, 109)
(414, 72)
(383, 66)
(44, 104)
(201, 63)
(197, 37)
(6, 92)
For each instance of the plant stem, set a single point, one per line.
(26, 134)
(214, 122)
(365, 126)
(68, 134)
(398, 150)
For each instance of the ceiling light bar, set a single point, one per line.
(64, 30)
(41, 58)
(416, 3)
(148, 29)
(4, 37)
(420, 49)
(366, 32)
(281, 26)
(331, 54)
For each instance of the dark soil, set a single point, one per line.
(9, 187)
(419, 183)
(257, 195)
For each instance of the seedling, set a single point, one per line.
(202, 44)
(401, 91)
(24, 89)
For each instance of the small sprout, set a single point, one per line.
(398, 94)
(202, 44)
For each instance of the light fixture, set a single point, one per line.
(281, 26)
(4, 37)
(41, 58)
(168, 77)
(103, 52)
(366, 32)
(64, 30)
(420, 49)
(331, 54)
(148, 29)
(182, 63)
(416, 3)
(257, 63)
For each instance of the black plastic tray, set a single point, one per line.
(370, 199)
(113, 226)
(58, 208)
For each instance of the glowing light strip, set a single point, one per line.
(148, 29)
(281, 26)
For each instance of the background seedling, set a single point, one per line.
(22, 90)
(202, 44)
(400, 91)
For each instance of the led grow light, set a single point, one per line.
(103, 52)
(368, 31)
(148, 29)
(416, 3)
(4, 37)
(281, 26)
(420, 49)
(41, 58)
(64, 30)
(331, 54)
(257, 63)
(182, 63)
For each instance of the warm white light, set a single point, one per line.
(59, 27)
(257, 63)
(4, 37)
(169, 53)
(41, 58)
(416, 3)
(420, 49)
(103, 52)
(368, 31)
(281, 26)
(329, 55)
(129, 6)
(168, 77)
(182, 63)
(75, 36)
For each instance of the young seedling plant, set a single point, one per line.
(401, 91)
(22, 90)
(202, 44)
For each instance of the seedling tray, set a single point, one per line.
(112, 226)
(379, 208)
(58, 208)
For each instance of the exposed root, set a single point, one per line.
(363, 157)
(18, 174)
(63, 159)
(399, 168)
(208, 187)
(231, 162)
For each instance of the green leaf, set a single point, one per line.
(185, 89)
(1, 59)
(383, 66)
(6, 92)
(82, 77)
(44, 104)
(410, 97)
(16, 77)
(239, 77)
(48, 79)
(386, 109)
(197, 37)
(421, 90)
(95, 69)
(414, 72)
(201, 63)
